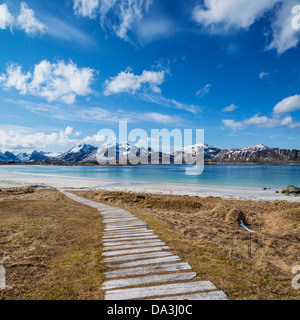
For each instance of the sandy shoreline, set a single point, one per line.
(230, 193)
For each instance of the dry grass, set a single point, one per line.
(206, 233)
(50, 246)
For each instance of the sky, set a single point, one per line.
(70, 68)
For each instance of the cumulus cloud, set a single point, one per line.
(238, 14)
(204, 91)
(25, 139)
(27, 21)
(127, 82)
(53, 81)
(241, 14)
(6, 19)
(147, 86)
(261, 122)
(289, 104)
(230, 108)
(284, 35)
(124, 14)
(86, 8)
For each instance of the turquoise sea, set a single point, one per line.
(216, 175)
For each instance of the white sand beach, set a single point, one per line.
(230, 193)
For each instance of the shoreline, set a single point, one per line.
(10, 180)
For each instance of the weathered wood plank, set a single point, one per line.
(137, 256)
(138, 281)
(148, 270)
(162, 290)
(120, 220)
(123, 226)
(130, 233)
(133, 237)
(108, 244)
(144, 262)
(134, 246)
(133, 251)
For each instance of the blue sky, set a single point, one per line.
(70, 68)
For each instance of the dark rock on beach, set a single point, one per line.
(291, 191)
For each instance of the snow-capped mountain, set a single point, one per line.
(258, 154)
(26, 157)
(77, 154)
(8, 157)
(190, 151)
(123, 152)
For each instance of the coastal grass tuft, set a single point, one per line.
(50, 246)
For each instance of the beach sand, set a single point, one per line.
(202, 191)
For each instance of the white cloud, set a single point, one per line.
(284, 36)
(161, 118)
(6, 19)
(235, 14)
(26, 21)
(289, 104)
(230, 108)
(261, 122)
(86, 8)
(263, 75)
(52, 81)
(170, 103)
(24, 139)
(223, 16)
(234, 125)
(204, 91)
(124, 14)
(127, 82)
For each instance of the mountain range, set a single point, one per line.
(258, 154)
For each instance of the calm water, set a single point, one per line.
(250, 176)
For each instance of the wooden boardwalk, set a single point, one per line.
(140, 265)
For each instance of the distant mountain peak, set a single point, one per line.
(256, 147)
(82, 148)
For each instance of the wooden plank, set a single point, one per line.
(120, 225)
(120, 220)
(133, 251)
(108, 244)
(137, 256)
(135, 246)
(115, 233)
(216, 295)
(148, 270)
(162, 290)
(133, 237)
(128, 234)
(164, 259)
(139, 281)
(123, 226)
